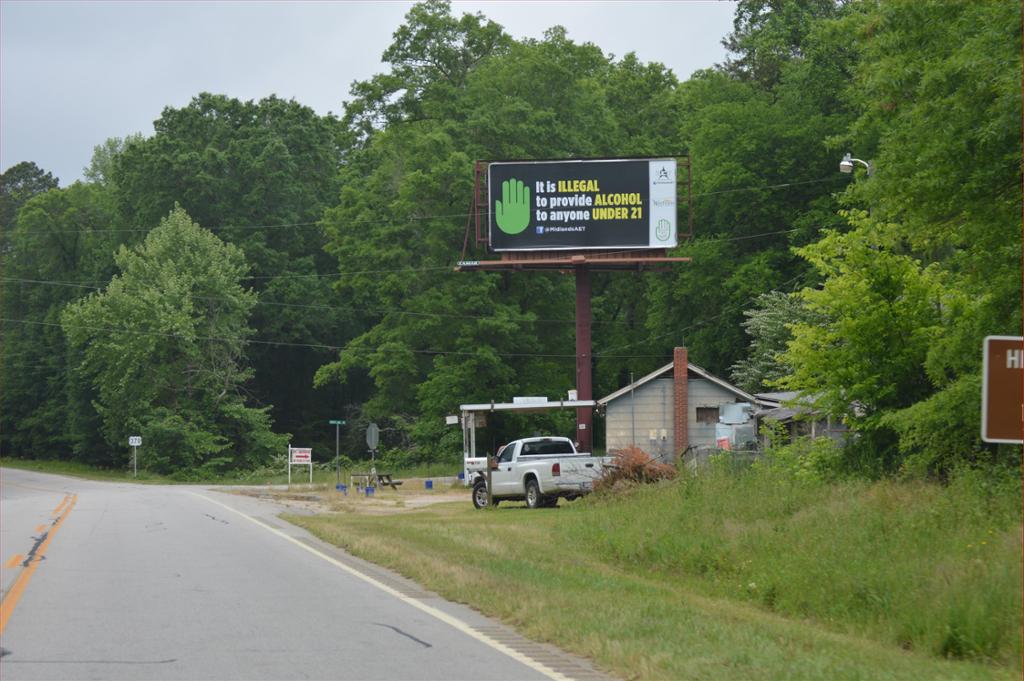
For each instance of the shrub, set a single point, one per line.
(632, 465)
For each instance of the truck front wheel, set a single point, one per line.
(480, 495)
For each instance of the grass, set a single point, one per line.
(81, 470)
(322, 475)
(750, 576)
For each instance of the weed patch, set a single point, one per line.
(754, 575)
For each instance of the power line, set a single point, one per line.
(413, 270)
(318, 346)
(382, 311)
(214, 228)
(770, 186)
(410, 219)
(726, 310)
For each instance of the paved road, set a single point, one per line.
(120, 581)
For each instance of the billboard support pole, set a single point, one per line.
(584, 352)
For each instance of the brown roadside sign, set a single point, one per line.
(1002, 389)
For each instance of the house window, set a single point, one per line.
(707, 414)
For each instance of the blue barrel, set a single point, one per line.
(370, 491)
(462, 475)
(342, 487)
(428, 484)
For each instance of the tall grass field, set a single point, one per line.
(736, 575)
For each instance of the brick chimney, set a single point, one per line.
(681, 422)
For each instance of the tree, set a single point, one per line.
(104, 156)
(767, 34)
(259, 174)
(768, 326)
(61, 247)
(435, 338)
(912, 288)
(431, 57)
(164, 346)
(18, 184)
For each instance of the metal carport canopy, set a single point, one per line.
(526, 406)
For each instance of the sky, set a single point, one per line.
(73, 74)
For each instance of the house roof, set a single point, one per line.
(692, 368)
(778, 397)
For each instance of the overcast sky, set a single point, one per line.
(73, 74)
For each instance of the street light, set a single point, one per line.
(846, 165)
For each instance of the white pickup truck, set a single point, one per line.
(537, 470)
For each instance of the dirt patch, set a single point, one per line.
(411, 496)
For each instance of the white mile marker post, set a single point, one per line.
(134, 441)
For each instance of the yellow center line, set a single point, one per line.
(56, 511)
(15, 559)
(40, 529)
(11, 598)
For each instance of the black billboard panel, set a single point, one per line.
(560, 205)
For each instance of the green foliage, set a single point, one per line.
(882, 309)
(103, 165)
(762, 173)
(18, 184)
(926, 567)
(59, 249)
(435, 339)
(770, 34)
(163, 347)
(912, 287)
(768, 326)
(258, 174)
(352, 226)
(805, 459)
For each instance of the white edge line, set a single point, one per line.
(450, 620)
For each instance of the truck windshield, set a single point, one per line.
(546, 448)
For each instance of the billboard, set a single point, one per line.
(599, 204)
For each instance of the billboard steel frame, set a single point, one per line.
(580, 263)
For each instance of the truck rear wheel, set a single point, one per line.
(533, 495)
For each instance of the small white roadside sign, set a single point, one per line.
(135, 441)
(300, 456)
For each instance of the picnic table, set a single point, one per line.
(373, 479)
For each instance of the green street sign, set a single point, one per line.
(336, 423)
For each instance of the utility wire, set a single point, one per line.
(725, 311)
(382, 311)
(318, 346)
(314, 223)
(450, 268)
(95, 287)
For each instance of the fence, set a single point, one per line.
(696, 458)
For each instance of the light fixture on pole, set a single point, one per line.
(846, 165)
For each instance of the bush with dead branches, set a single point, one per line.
(632, 465)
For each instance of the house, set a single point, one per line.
(670, 411)
(798, 419)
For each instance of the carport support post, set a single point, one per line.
(584, 381)
(337, 453)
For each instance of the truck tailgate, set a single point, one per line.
(578, 472)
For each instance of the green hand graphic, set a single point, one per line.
(512, 212)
